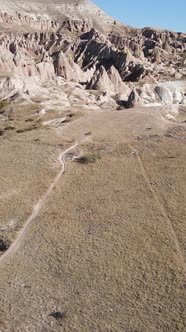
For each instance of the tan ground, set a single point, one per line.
(108, 248)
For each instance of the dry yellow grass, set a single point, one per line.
(28, 164)
(108, 246)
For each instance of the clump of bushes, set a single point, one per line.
(58, 315)
(4, 244)
(88, 158)
(9, 128)
(3, 104)
(19, 131)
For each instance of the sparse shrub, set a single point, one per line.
(9, 128)
(29, 120)
(19, 131)
(3, 104)
(58, 315)
(4, 244)
(88, 158)
(70, 115)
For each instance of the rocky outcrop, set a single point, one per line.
(45, 69)
(20, 72)
(48, 45)
(65, 67)
(108, 81)
(132, 100)
(76, 26)
(119, 86)
(165, 93)
(164, 49)
(171, 94)
(96, 53)
(101, 81)
(49, 16)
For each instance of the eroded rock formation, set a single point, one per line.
(115, 59)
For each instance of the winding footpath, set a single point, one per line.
(37, 208)
(158, 203)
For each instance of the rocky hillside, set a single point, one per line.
(49, 14)
(76, 41)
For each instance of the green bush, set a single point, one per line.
(3, 104)
(88, 158)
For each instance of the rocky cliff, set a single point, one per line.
(75, 40)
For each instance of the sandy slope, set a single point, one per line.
(108, 248)
(19, 239)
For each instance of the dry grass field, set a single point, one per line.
(107, 251)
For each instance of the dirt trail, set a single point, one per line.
(15, 245)
(158, 203)
(35, 212)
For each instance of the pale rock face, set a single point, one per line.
(101, 81)
(21, 73)
(171, 92)
(178, 76)
(18, 86)
(88, 74)
(25, 66)
(164, 94)
(105, 101)
(171, 111)
(178, 97)
(118, 84)
(148, 94)
(46, 71)
(6, 61)
(67, 68)
(9, 86)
